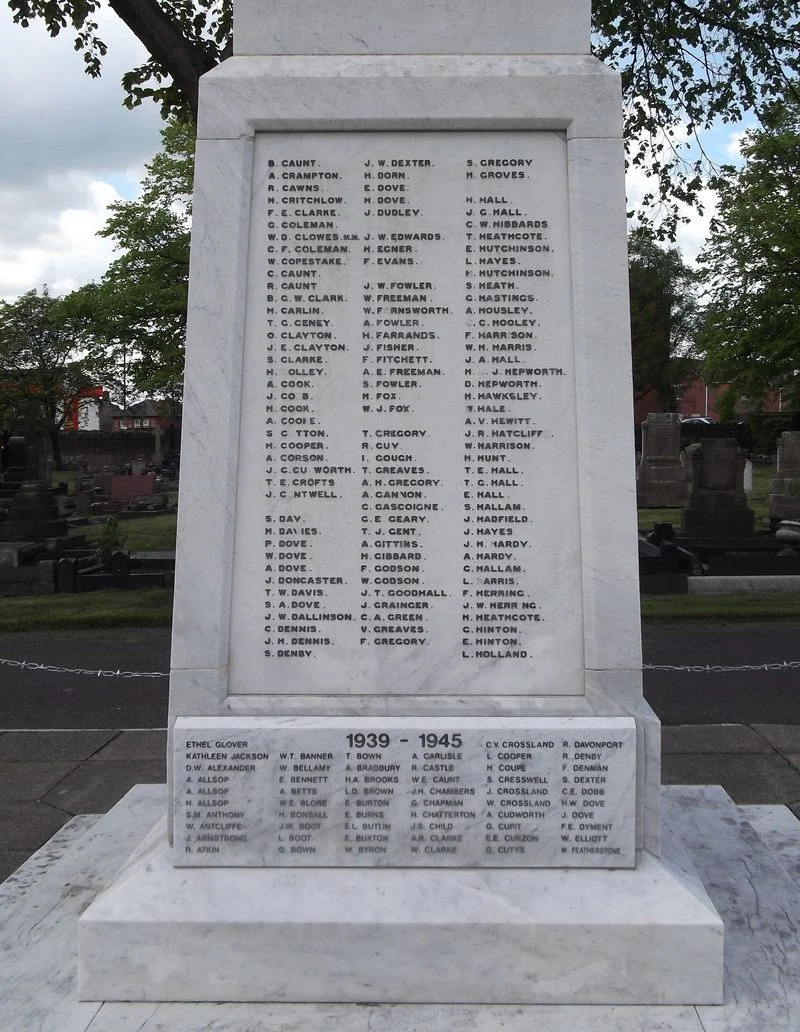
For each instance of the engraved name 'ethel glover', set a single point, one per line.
(412, 416)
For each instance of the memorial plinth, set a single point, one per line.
(410, 755)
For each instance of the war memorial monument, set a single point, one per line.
(413, 781)
(410, 758)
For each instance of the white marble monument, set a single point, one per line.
(411, 761)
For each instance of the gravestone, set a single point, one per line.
(717, 503)
(784, 489)
(102, 482)
(410, 757)
(66, 575)
(747, 480)
(13, 466)
(158, 450)
(660, 477)
(83, 503)
(126, 487)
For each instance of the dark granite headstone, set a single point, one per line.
(33, 514)
(83, 503)
(66, 575)
(14, 455)
(717, 503)
(13, 466)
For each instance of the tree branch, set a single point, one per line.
(181, 59)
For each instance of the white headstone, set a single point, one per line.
(748, 476)
(406, 656)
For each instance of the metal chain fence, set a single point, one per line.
(697, 668)
(793, 664)
(26, 664)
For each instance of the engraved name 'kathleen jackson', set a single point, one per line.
(411, 356)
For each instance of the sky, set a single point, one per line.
(68, 148)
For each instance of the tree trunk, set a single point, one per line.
(55, 445)
(164, 41)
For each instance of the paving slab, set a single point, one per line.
(11, 859)
(135, 745)
(28, 825)
(96, 785)
(27, 781)
(55, 746)
(712, 738)
(754, 778)
(783, 737)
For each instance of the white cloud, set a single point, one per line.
(721, 144)
(690, 235)
(67, 251)
(69, 148)
(733, 148)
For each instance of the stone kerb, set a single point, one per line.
(660, 478)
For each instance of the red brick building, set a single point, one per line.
(698, 399)
(147, 415)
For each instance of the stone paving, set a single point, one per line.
(47, 777)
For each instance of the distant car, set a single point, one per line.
(699, 421)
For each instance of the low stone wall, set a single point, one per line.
(37, 579)
(98, 449)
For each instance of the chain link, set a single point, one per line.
(793, 664)
(24, 664)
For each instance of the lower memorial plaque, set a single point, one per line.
(404, 792)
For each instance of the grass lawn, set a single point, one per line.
(146, 534)
(721, 608)
(147, 607)
(152, 607)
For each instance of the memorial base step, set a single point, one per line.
(643, 936)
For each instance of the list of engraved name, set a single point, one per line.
(373, 295)
(410, 797)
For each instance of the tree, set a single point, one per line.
(751, 336)
(684, 63)
(38, 366)
(136, 315)
(664, 316)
